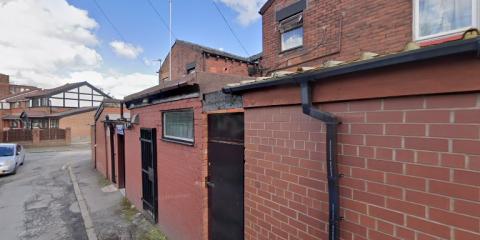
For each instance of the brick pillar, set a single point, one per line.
(68, 136)
(36, 136)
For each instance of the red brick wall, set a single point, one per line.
(339, 30)
(411, 166)
(182, 196)
(80, 124)
(184, 54)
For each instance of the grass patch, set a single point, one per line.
(145, 230)
(103, 182)
(127, 210)
(153, 234)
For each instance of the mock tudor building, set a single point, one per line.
(68, 106)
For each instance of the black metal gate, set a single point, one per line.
(226, 176)
(149, 171)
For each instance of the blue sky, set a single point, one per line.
(53, 42)
(195, 20)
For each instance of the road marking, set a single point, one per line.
(87, 220)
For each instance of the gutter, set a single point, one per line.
(331, 123)
(443, 50)
(305, 79)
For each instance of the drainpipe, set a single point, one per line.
(332, 171)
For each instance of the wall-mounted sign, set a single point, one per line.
(121, 129)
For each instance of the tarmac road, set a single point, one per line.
(39, 201)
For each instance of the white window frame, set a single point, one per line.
(290, 30)
(416, 21)
(168, 137)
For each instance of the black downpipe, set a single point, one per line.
(331, 123)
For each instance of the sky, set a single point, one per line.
(116, 45)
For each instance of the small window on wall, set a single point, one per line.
(178, 125)
(437, 18)
(291, 30)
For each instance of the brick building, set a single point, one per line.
(6, 88)
(389, 143)
(166, 158)
(108, 141)
(67, 106)
(190, 57)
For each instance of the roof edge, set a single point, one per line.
(443, 50)
(265, 6)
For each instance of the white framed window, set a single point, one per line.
(178, 125)
(291, 30)
(439, 18)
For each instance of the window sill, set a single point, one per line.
(186, 143)
(291, 50)
(439, 40)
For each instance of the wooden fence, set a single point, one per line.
(18, 135)
(52, 134)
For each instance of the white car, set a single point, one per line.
(11, 156)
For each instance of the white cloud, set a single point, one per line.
(47, 43)
(247, 9)
(46, 36)
(126, 50)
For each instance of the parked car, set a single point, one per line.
(11, 156)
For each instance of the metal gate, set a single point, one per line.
(226, 176)
(149, 171)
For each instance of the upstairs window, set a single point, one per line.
(291, 30)
(437, 18)
(191, 67)
(178, 125)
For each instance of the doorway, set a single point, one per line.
(112, 153)
(226, 176)
(121, 160)
(149, 171)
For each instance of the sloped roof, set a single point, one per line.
(18, 96)
(220, 53)
(52, 91)
(72, 112)
(207, 82)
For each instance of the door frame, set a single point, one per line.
(112, 153)
(122, 178)
(208, 178)
(153, 216)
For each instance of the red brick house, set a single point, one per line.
(352, 145)
(190, 57)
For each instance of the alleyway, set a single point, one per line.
(39, 202)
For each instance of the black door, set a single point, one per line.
(149, 171)
(112, 153)
(226, 175)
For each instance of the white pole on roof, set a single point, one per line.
(170, 33)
